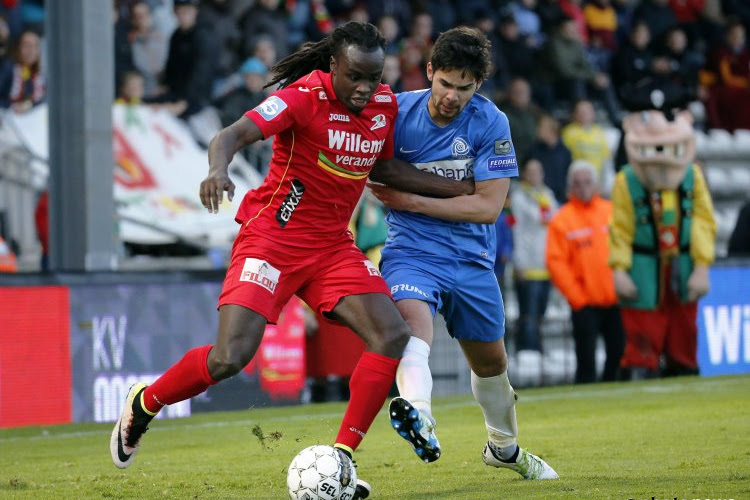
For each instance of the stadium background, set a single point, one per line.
(105, 314)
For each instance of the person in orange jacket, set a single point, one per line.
(8, 263)
(577, 258)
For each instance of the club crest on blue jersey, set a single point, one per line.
(271, 107)
(503, 146)
(501, 163)
(460, 148)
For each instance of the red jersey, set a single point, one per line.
(322, 155)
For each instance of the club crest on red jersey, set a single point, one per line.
(379, 122)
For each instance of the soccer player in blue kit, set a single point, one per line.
(440, 252)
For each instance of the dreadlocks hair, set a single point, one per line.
(317, 55)
(462, 48)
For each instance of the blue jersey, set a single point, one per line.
(476, 144)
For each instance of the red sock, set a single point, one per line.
(369, 386)
(185, 379)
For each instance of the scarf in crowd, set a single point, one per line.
(541, 198)
(26, 86)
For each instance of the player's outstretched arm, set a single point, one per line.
(404, 176)
(222, 149)
(482, 207)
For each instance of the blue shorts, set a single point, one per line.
(466, 294)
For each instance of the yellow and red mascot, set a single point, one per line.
(662, 243)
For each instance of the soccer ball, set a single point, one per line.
(321, 473)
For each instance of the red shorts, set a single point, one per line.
(263, 275)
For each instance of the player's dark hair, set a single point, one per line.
(317, 55)
(463, 48)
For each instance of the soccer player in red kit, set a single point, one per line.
(333, 121)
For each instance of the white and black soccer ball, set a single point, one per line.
(321, 473)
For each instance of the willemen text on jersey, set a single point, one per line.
(322, 155)
(476, 144)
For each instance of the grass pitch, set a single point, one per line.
(682, 438)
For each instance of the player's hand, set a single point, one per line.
(391, 198)
(212, 191)
(624, 286)
(698, 284)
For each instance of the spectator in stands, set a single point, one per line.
(601, 21)
(577, 253)
(521, 114)
(264, 18)
(534, 205)
(632, 61)
(389, 27)
(731, 93)
(248, 96)
(123, 52)
(739, 242)
(738, 9)
(550, 14)
(571, 75)
(412, 69)
(265, 50)
(219, 15)
(689, 14)
(307, 20)
(27, 86)
(399, 10)
(132, 89)
(149, 47)
(483, 19)
(420, 36)
(392, 73)
(573, 9)
(322, 22)
(529, 23)
(5, 38)
(445, 13)
(132, 93)
(191, 63)
(676, 64)
(658, 15)
(515, 55)
(553, 155)
(585, 138)
(625, 13)
(11, 13)
(359, 14)
(671, 67)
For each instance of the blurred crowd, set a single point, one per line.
(189, 54)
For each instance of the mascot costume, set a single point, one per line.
(662, 242)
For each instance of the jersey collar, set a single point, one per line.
(327, 80)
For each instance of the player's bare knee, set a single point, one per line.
(224, 365)
(396, 339)
(390, 341)
(490, 368)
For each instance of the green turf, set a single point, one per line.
(683, 438)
